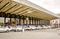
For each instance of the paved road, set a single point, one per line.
(41, 34)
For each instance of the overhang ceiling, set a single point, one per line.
(58, 14)
(9, 6)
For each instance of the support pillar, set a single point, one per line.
(10, 20)
(29, 21)
(32, 21)
(39, 21)
(23, 25)
(15, 22)
(4, 21)
(35, 21)
(20, 21)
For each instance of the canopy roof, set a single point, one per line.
(26, 8)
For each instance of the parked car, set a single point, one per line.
(3, 29)
(18, 28)
(49, 27)
(27, 28)
(12, 28)
(45, 27)
(39, 27)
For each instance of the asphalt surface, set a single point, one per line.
(38, 34)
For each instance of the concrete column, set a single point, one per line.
(23, 25)
(32, 20)
(15, 22)
(23, 20)
(35, 21)
(19, 21)
(4, 21)
(29, 20)
(39, 22)
(10, 20)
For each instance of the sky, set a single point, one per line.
(51, 5)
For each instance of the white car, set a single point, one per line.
(3, 29)
(12, 28)
(27, 28)
(32, 27)
(39, 27)
(49, 27)
(8, 29)
(19, 28)
(45, 27)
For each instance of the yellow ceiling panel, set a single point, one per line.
(41, 17)
(35, 14)
(12, 4)
(5, 7)
(3, 3)
(32, 15)
(21, 9)
(27, 11)
(42, 14)
(46, 15)
(15, 9)
(12, 9)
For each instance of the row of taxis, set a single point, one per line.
(21, 27)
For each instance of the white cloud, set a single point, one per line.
(51, 5)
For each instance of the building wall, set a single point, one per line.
(55, 22)
(46, 22)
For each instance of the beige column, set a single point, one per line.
(4, 21)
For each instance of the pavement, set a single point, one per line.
(36, 34)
